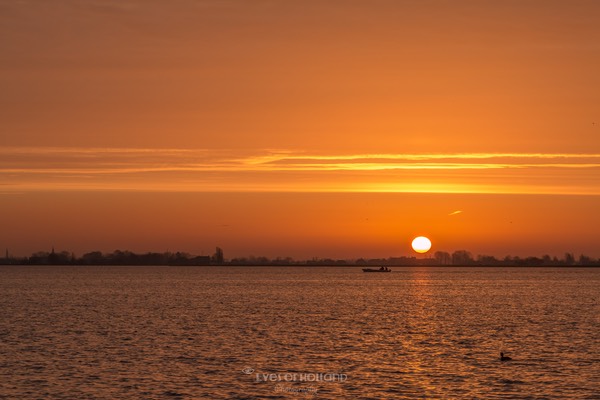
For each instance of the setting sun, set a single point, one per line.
(421, 244)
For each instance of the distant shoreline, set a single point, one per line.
(226, 266)
(459, 258)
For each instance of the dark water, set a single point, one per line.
(199, 332)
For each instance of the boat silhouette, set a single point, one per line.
(382, 269)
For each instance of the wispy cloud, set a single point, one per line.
(455, 212)
(56, 168)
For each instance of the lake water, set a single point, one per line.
(265, 332)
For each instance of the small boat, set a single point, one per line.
(382, 269)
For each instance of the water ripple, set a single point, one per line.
(187, 333)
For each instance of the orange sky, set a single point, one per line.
(301, 128)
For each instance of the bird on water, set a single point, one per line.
(504, 358)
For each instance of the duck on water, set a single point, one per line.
(504, 358)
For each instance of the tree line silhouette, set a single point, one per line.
(439, 258)
(118, 257)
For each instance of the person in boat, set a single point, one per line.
(381, 269)
(504, 358)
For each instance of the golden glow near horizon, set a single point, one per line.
(197, 170)
(300, 128)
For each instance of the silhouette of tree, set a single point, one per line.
(546, 260)
(93, 258)
(283, 261)
(487, 260)
(442, 257)
(569, 259)
(585, 260)
(462, 257)
(218, 257)
(39, 258)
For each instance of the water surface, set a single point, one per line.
(266, 332)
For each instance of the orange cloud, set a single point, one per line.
(54, 168)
